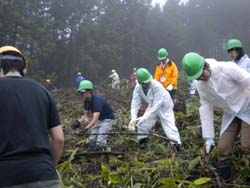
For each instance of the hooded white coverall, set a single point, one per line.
(244, 63)
(192, 87)
(160, 105)
(115, 80)
(229, 89)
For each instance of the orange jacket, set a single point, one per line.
(167, 75)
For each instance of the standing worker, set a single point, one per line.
(166, 72)
(160, 106)
(115, 80)
(224, 85)
(28, 116)
(103, 116)
(133, 78)
(79, 78)
(236, 54)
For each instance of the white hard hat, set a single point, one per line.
(113, 71)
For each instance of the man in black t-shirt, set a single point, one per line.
(103, 115)
(28, 115)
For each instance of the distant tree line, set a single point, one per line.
(61, 37)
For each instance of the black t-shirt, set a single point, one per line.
(99, 104)
(27, 112)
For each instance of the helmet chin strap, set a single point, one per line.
(165, 63)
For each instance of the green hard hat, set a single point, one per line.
(193, 65)
(162, 54)
(85, 85)
(233, 43)
(143, 75)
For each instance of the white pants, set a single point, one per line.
(167, 122)
(116, 84)
(101, 127)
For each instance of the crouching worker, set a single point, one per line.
(103, 116)
(160, 105)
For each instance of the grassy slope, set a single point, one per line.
(128, 165)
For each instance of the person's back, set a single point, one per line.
(227, 76)
(24, 142)
(28, 115)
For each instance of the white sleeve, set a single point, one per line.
(239, 75)
(207, 117)
(136, 102)
(111, 76)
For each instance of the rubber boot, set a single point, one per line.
(143, 143)
(177, 148)
(224, 172)
(91, 146)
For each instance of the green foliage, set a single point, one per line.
(153, 165)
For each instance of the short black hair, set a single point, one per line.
(11, 61)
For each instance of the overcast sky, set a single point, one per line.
(162, 2)
(158, 1)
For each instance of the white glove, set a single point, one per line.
(140, 120)
(192, 91)
(209, 145)
(132, 124)
(170, 87)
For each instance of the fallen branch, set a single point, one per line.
(87, 154)
(132, 133)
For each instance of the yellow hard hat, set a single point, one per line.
(11, 49)
(79, 73)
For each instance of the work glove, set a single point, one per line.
(192, 91)
(85, 130)
(132, 124)
(209, 145)
(140, 120)
(76, 124)
(170, 87)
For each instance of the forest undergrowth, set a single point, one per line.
(125, 163)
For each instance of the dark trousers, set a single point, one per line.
(227, 139)
(172, 93)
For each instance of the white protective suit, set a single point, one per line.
(244, 63)
(160, 105)
(229, 89)
(115, 80)
(193, 86)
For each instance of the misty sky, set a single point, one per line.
(158, 1)
(162, 2)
